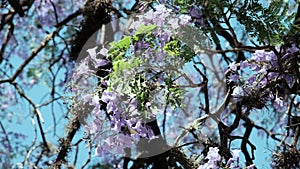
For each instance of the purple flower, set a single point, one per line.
(97, 111)
(125, 140)
(162, 1)
(290, 81)
(118, 125)
(111, 107)
(273, 75)
(130, 122)
(238, 91)
(174, 23)
(235, 154)
(234, 77)
(254, 67)
(263, 56)
(100, 62)
(98, 151)
(213, 157)
(195, 12)
(107, 96)
(200, 22)
(213, 154)
(287, 55)
(165, 37)
(161, 9)
(92, 52)
(270, 56)
(143, 131)
(86, 98)
(160, 21)
(244, 64)
(252, 79)
(94, 127)
(232, 66)
(82, 69)
(263, 70)
(263, 82)
(95, 100)
(229, 162)
(184, 19)
(257, 55)
(274, 64)
(110, 99)
(115, 143)
(141, 45)
(148, 18)
(293, 49)
(278, 104)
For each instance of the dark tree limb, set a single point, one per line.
(249, 127)
(65, 143)
(17, 7)
(96, 13)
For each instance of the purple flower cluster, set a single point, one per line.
(196, 14)
(263, 78)
(120, 119)
(84, 77)
(123, 99)
(213, 158)
(122, 130)
(164, 19)
(234, 161)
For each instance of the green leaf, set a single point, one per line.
(34, 73)
(179, 49)
(145, 30)
(118, 49)
(268, 24)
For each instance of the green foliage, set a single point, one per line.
(144, 30)
(118, 49)
(173, 47)
(179, 49)
(142, 90)
(174, 94)
(184, 5)
(267, 24)
(34, 73)
(128, 79)
(145, 33)
(122, 65)
(175, 97)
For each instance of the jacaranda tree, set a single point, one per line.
(149, 84)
